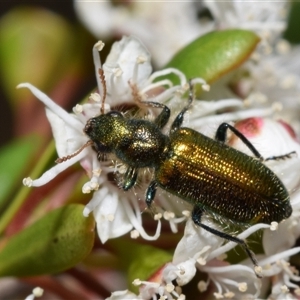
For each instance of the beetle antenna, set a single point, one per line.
(67, 157)
(103, 82)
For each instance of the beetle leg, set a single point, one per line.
(162, 119)
(179, 119)
(196, 217)
(129, 178)
(288, 155)
(150, 193)
(221, 136)
(222, 133)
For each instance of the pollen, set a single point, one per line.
(134, 234)
(117, 72)
(218, 296)
(94, 186)
(243, 286)
(86, 189)
(284, 289)
(38, 292)
(170, 287)
(157, 216)
(186, 213)
(181, 270)
(99, 45)
(201, 261)
(274, 226)
(78, 109)
(297, 291)
(141, 59)
(206, 87)
(229, 295)
(137, 282)
(95, 97)
(27, 181)
(110, 217)
(168, 215)
(202, 286)
(258, 271)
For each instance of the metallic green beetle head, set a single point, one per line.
(106, 130)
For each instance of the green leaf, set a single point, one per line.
(292, 30)
(40, 47)
(214, 54)
(139, 261)
(56, 242)
(13, 160)
(147, 261)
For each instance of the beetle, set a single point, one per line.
(215, 178)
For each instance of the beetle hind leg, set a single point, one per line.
(288, 155)
(196, 217)
(221, 135)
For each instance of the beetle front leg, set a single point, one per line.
(179, 119)
(150, 193)
(129, 178)
(196, 217)
(162, 119)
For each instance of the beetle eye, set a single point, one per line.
(114, 113)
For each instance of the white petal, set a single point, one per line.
(72, 122)
(122, 65)
(67, 139)
(193, 241)
(97, 16)
(54, 171)
(186, 272)
(111, 218)
(283, 238)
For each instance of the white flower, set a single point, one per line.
(274, 69)
(164, 27)
(129, 79)
(261, 17)
(127, 72)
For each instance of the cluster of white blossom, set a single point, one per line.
(118, 213)
(270, 92)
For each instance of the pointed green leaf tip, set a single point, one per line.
(214, 54)
(56, 242)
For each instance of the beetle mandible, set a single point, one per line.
(215, 178)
